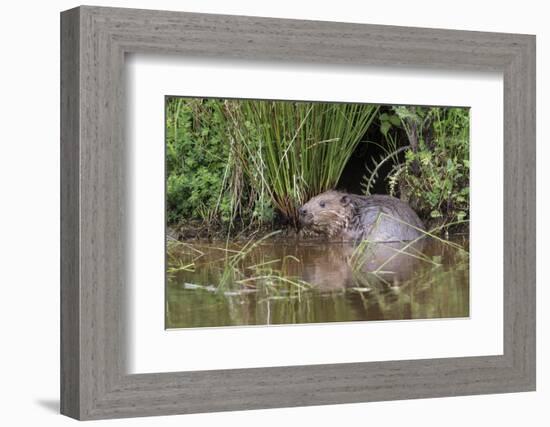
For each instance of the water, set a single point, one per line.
(270, 282)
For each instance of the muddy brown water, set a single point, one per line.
(295, 282)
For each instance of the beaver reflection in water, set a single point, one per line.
(351, 217)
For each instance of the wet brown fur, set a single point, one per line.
(332, 218)
(343, 216)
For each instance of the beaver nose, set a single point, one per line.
(302, 211)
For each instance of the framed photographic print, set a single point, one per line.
(262, 213)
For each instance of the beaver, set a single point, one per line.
(351, 217)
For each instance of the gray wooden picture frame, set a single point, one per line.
(94, 382)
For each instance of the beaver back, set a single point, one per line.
(382, 218)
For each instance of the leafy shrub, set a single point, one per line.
(431, 165)
(196, 162)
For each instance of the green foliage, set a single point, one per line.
(387, 121)
(235, 164)
(434, 174)
(196, 162)
(291, 151)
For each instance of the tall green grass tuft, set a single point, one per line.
(291, 151)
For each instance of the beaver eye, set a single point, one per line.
(322, 204)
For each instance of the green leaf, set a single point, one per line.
(395, 120)
(384, 128)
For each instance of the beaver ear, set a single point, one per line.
(345, 200)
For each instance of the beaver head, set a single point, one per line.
(327, 213)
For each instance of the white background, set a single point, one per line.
(152, 349)
(29, 214)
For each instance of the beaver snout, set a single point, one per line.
(305, 216)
